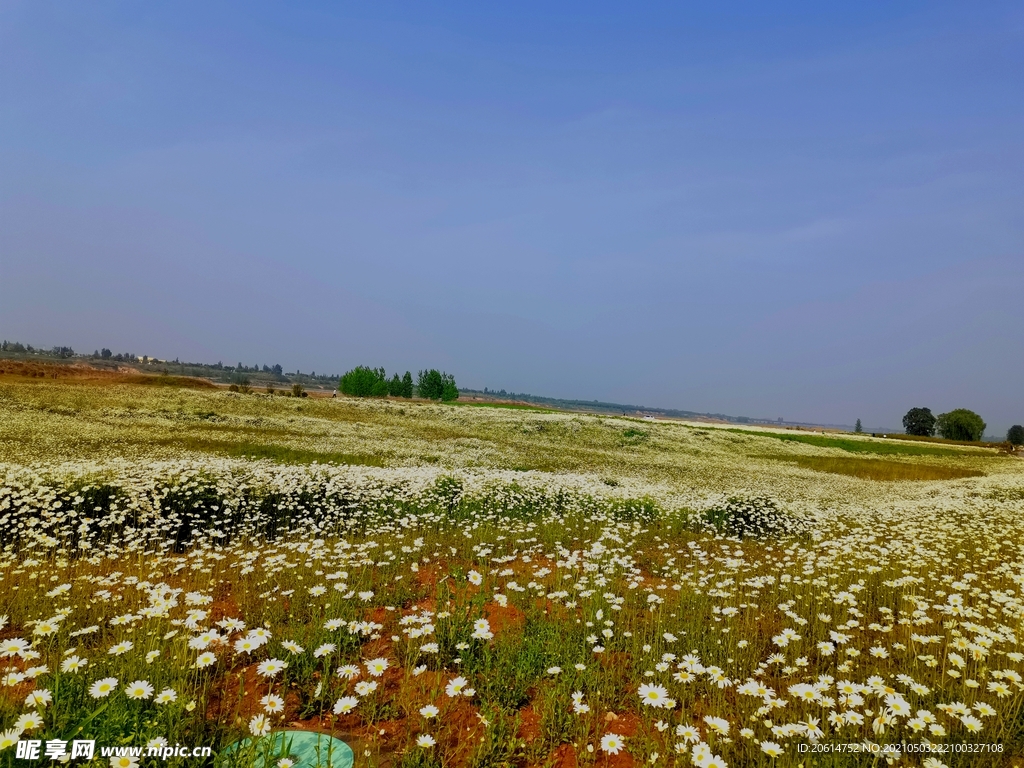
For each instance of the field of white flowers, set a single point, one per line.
(454, 586)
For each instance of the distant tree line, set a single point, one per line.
(17, 348)
(239, 374)
(120, 357)
(958, 424)
(363, 381)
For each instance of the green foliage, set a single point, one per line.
(362, 381)
(435, 385)
(498, 747)
(400, 387)
(1015, 435)
(297, 390)
(512, 667)
(919, 421)
(419, 758)
(960, 424)
(857, 427)
(395, 386)
(634, 436)
(449, 392)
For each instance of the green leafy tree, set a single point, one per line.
(1015, 435)
(449, 391)
(919, 421)
(362, 381)
(857, 427)
(435, 385)
(429, 384)
(960, 424)
(395, 386)
(407, 385)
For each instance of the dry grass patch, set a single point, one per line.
(882, 469)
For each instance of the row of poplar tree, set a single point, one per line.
(432, 384)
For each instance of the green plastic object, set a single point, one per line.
(306, 749)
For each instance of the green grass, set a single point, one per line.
(858, 446)
(941, 440)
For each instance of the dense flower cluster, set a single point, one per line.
(757, 516)
(159, 506)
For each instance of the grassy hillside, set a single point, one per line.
(51, 421)
(447, 586)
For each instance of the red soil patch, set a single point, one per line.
(504, 619)
(223, 607)
(429, 575)
(237, 695)
(463, 730)
(529, 724)
(564, 756)
(625, 724)
(53, 371)
(11, 630)
(82, 373)
(17, 694)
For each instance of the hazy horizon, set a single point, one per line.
(812, 212)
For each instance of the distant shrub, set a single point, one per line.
(634, 436)
(270, 389)
(297, 390)
(233, 388)
(1015, 435)
(754, 517)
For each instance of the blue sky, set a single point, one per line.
(809, 211)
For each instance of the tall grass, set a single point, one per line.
(880, 469)
(283, 454)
